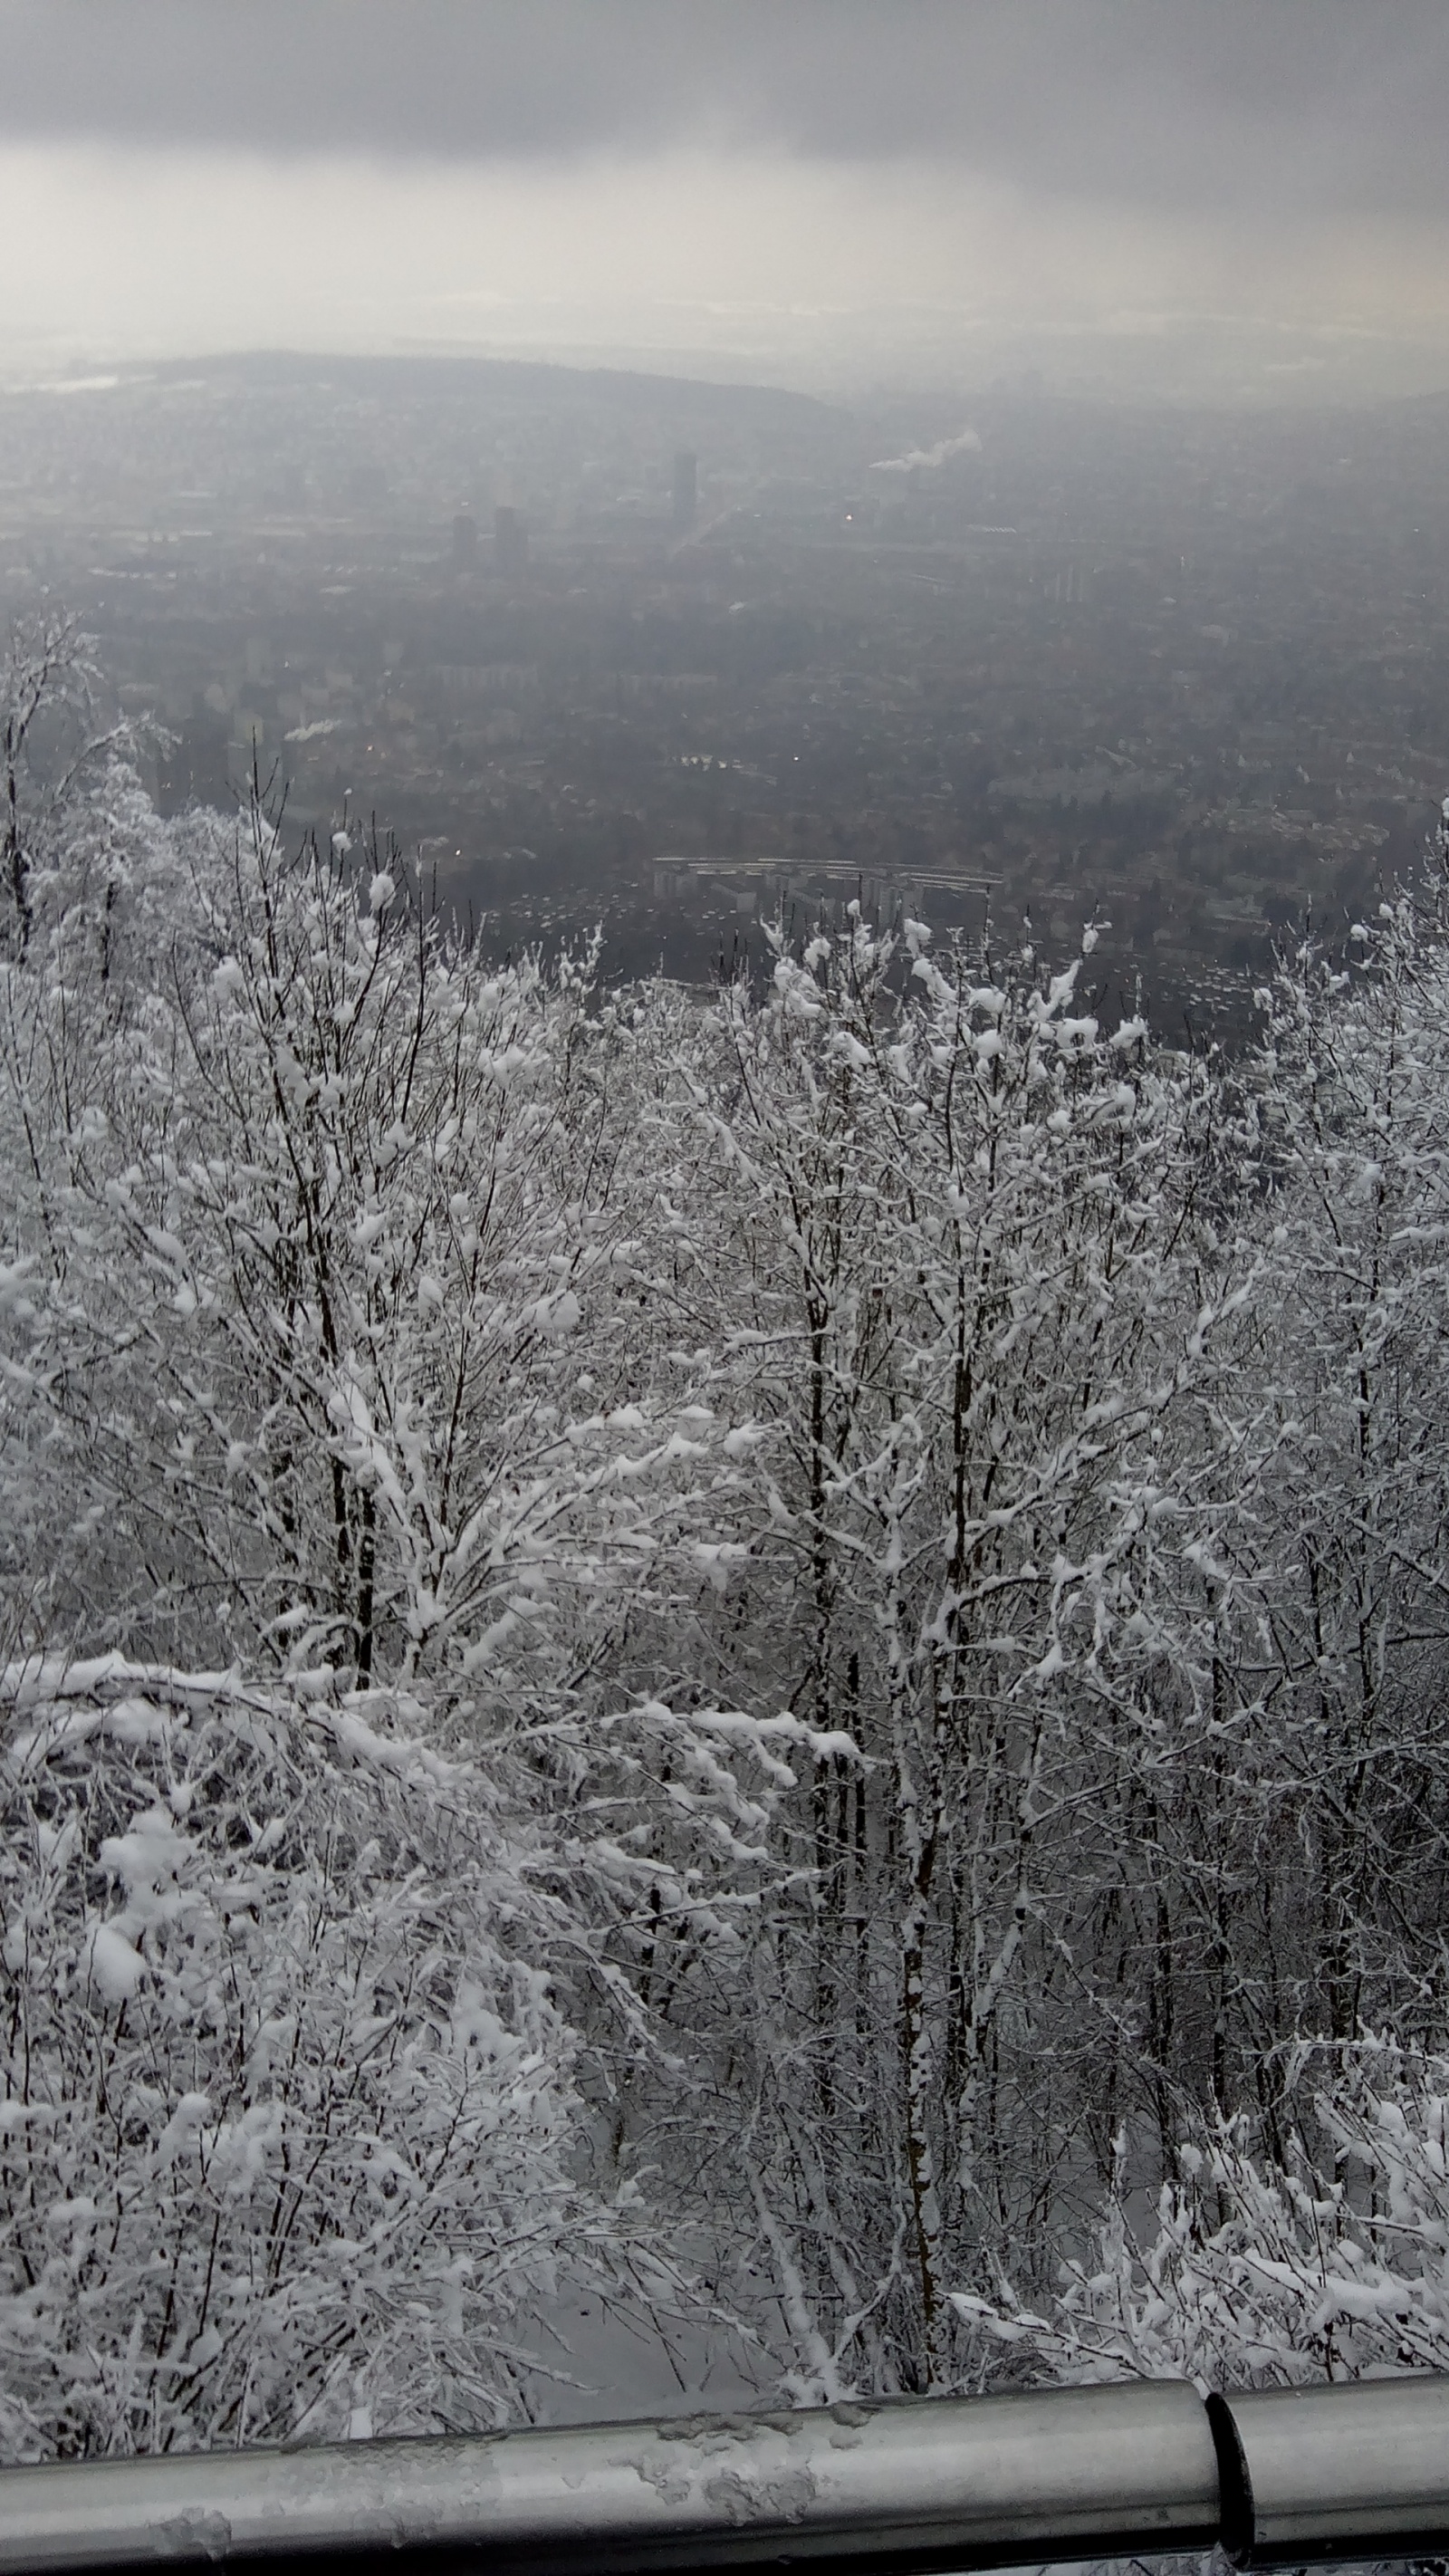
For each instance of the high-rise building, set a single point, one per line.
(686, 488)
(510, 540)
(465, 540)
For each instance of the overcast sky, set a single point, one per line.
(799, 185)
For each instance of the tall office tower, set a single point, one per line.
(465, 541)
(686, 488)
(510, 540)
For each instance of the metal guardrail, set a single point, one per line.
(1357, 2471)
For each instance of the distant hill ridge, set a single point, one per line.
(626, 387)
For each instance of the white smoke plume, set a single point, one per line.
(965, 444)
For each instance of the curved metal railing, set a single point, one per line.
(1356, 2471)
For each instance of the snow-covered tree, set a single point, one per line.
(1351, 1508)
(47, 739)
(286, 2106)
(965, 1285)
(1252, 2272)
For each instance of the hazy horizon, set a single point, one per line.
(1244, 205)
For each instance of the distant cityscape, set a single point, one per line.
(673, 656)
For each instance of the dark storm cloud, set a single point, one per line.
(1251, 104)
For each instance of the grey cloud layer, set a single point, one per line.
(1251, 105)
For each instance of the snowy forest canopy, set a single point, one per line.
(779, 1653)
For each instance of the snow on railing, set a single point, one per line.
(1357, 2470)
